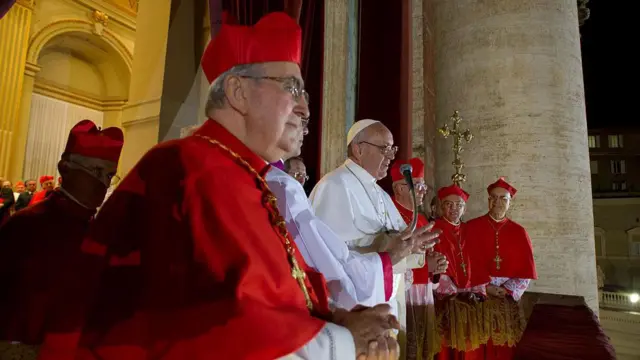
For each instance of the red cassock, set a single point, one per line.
(39, 250)
(516, 260)
(515, 250)
(420, 275)
(453, 245)
(197, 262)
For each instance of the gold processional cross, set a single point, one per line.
(458, 177)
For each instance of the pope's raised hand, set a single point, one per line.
(406, 243)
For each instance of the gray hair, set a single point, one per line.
(356, 139)
(216, 97)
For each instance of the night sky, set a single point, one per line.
(609, 43)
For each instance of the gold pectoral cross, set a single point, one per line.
(300, 275)
(497, 260)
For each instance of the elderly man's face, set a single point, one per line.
(47, 185)
(452, 208)
(87, 179)
(375, 151)
(276, 105)
(31, 186)
(6, 184)
(401, 190)
(298, 171)
(20, 188)
(499, 201)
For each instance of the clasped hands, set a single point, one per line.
(497, 291)
(371, 329)
(417, 242)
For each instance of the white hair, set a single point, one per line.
(216, 96)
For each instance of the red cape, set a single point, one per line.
(421, 275)
(39, 251)
(38, 197)
(198, 269)
(450, 248)
(515, 248)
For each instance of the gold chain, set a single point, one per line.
(497, 259)
(296, 272)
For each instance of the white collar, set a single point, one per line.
(360, 172)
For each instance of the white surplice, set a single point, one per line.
(352, 278)
(358, 210)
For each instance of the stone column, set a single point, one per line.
(15, 28)
(513, 69)
(140, 118)
(21, 130)
(338, 92)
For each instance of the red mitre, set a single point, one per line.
(87, 140)
(276, 37)
(502, 184)
(416, 164)
(45, 178)
(452, 190)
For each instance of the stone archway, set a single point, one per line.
(44, 35)
(82, 64)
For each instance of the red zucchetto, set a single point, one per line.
(452, 190)
(416, 164)
(87, 140)
(276, 37)
(45, 178)
(502, 184)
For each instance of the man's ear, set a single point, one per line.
(236, 93)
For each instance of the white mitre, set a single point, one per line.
(357, 127)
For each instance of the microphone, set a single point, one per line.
(406, 170)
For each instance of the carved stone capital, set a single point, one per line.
(583, 11)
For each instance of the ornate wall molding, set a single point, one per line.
(77, 97)
(119, 14)
(26, 3)
(42, 37)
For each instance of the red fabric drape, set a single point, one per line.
(5, 5)
(559, 332)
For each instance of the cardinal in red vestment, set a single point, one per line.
(421, 328)
(502, 249)
(198, 262)
(46, 185)
(459, 294)
(40, 245)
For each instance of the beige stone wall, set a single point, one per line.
(513, 69)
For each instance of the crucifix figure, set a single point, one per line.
(299, 275)
(458, 135)
(497, 260)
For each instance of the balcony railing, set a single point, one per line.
(619, 301)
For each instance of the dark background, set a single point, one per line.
(609, 45)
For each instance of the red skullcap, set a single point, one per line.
(45, 178)
(502, 184)
(276, 37)
(452, 190)
(416, 164)
(87, 140)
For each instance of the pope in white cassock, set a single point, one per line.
(353, 278)
(355, 207)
